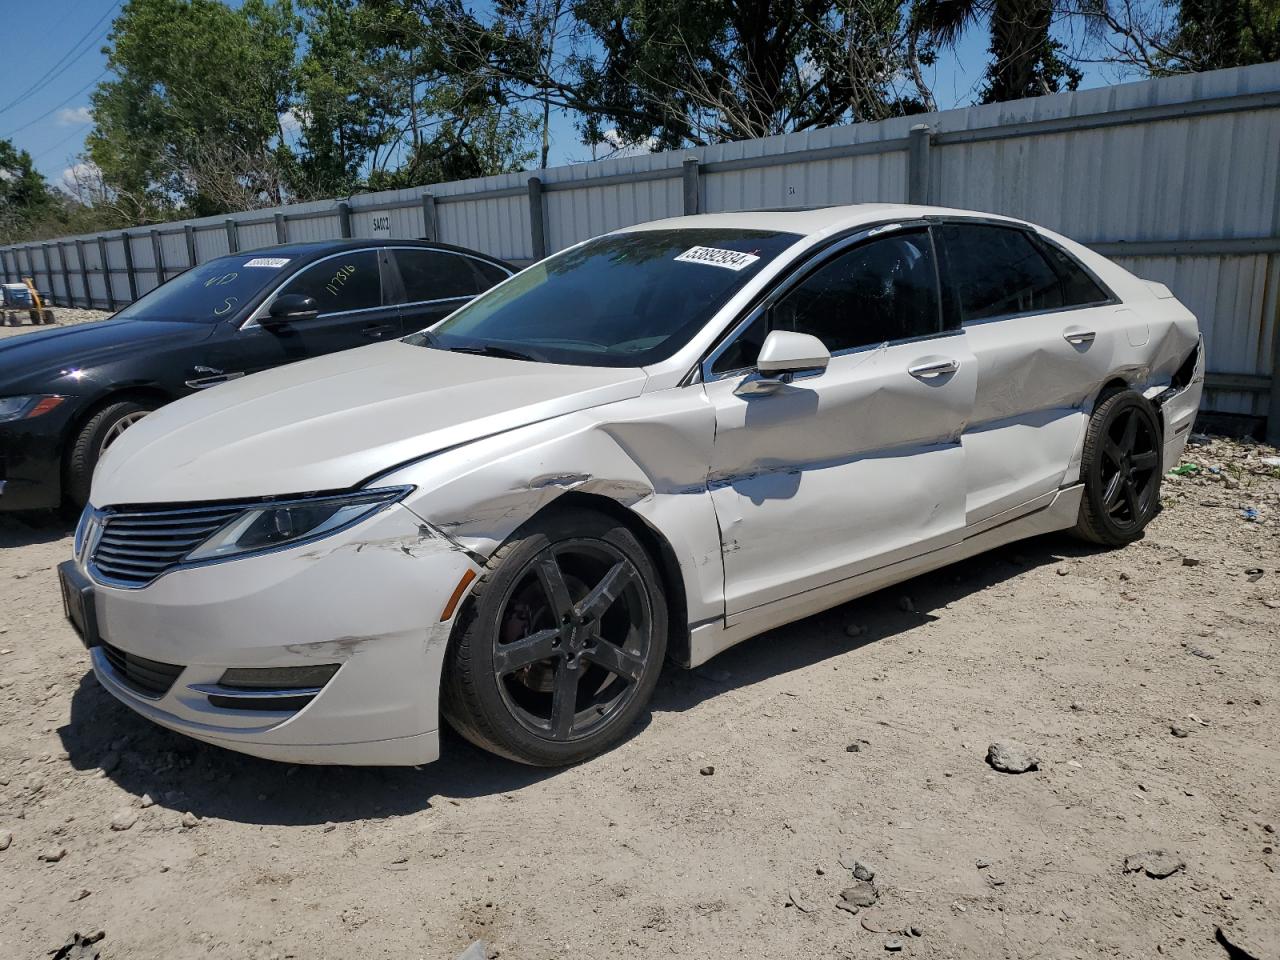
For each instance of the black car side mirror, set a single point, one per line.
(290, 308)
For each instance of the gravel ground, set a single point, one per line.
(65, 317)
(1142, 681)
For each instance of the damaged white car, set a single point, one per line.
(651, 445)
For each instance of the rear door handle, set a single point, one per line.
(1077, 336)
(933, 368)
(376, 330)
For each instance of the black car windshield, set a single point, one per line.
(209, 291)
(624, 300)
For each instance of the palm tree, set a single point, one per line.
(1026, 60)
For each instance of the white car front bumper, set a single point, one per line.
(368, 599)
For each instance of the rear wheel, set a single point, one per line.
(102, 430)
(1120, 470)
(561, 644)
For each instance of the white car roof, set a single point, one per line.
(816, 221)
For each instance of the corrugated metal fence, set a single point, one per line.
(1178, 179)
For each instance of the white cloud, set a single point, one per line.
(70, 116)
(75, 177)
(6, 174)
(292, 120)
(612, 145)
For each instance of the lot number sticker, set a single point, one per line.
(275, 263)
(716, 257)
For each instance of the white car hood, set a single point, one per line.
(331, 422)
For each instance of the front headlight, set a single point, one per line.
(24, 408)
(268, 526)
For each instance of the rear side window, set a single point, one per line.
(349, 281)
(436, 275)
(996, 271)
(489, 273)
(1078, 288)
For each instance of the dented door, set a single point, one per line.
(836, 474)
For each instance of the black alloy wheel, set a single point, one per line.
(561, 643)
(1121, 470)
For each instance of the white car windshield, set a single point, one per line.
(624, 300)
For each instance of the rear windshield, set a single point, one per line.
(210, 291)
(624, 300)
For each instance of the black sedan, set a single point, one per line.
(66, 394)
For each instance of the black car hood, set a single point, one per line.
(38, 361)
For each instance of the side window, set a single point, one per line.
(1078, 288)
(346, 282)
(996, 271)
(741, 354)
(435, 275)
(490, 275)
(879, 291)
(876, 292)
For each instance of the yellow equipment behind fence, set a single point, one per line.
(34, 307)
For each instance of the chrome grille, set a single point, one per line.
(150, 678)
(135, 547)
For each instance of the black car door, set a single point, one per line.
(354, 311)
(437, 282)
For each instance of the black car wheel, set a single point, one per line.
(1120, 470)
(560, 647)
(102, 430)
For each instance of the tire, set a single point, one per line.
(94, 437)
(499, 694)
(1121, 470)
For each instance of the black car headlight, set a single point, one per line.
(268, 526)
(25, 408)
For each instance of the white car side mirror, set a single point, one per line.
(786, 352)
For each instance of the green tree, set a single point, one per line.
(191, 118)
(1026, 60)
(25, 199)
(384, 102)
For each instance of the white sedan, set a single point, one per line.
(654, 444)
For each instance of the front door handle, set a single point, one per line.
(1077, 336)
(376, 330)
(933, 368)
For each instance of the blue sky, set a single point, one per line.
(53, 59)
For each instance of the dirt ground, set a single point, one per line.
(860, 734)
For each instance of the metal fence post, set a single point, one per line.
(537, 219)
(1273, 399)
(919, 140)
(157, 257)
(689, 171)
(66, 274)
(344, 219)
(233, 236)
(129, 272)
(49, 273)
(84, 274)
(430, 230)
(190, 232)
(106, 273)
(282, 229)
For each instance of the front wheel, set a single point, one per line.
(1120, 470)
(559, 649)
(102, 430)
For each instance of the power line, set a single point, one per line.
(67, 60)
(36, 120)
(77, 131)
